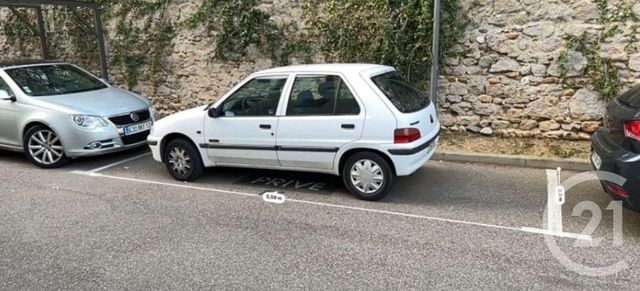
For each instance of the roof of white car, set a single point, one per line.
(336, 68)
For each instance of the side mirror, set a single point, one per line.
(4, 95)
(213, 112)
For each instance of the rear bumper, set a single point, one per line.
(408, 159)
(620, 161)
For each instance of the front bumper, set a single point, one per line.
(620, 161)
(154, 145)
(109, 139)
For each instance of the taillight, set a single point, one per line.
(406, 135)
(617, 190)
(632, 129)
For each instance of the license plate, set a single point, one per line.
(431, 146)
(136, 128)
(597, 161)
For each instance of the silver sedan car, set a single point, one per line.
(54, 112)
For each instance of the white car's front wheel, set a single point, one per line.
(368, 176)
(183, 160)
(44, 148)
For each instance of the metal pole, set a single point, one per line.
(42, 33)
(100, 39)
(435, 52)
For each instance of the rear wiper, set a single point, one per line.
(426, 100)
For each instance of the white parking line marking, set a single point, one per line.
(525, 230)
(553, 212)
(559, 234)
(93, 174)
(96, 170)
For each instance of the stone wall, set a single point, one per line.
(192, 76)
(508, 82)
(505, 84)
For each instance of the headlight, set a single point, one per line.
(88, 121)
(154, 113)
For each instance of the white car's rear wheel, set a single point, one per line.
(44, 148)
(368, 176)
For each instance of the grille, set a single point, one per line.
(126, 119)
(135, 138)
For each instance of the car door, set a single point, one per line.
(244, 132)
(322, 114)
(8, 123)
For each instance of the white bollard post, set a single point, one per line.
(555, 199)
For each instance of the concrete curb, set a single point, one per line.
(578, 165)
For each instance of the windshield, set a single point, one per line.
(401, 93)
(49, 80)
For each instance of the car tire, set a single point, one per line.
(43, 148)
(183, 160)
(368, 176)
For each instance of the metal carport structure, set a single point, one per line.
(41, 31)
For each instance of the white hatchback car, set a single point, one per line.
(361, 121)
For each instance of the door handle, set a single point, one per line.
(265, 126)
(348, 126)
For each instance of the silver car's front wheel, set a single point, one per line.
(44, 148)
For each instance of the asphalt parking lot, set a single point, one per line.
(121, 222)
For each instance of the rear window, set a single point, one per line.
(631, 98)
(401, 93)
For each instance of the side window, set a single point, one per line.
(321, 95)
(4, 86)
(258, 97)
(346, 104)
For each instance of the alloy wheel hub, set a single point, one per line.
(45, 147)
(179, 161)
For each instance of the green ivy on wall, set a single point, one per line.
(397, 33)
(17, 32)
(603, 72)
(143, 36)
(239, 25)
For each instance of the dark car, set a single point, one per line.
(616, 147)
